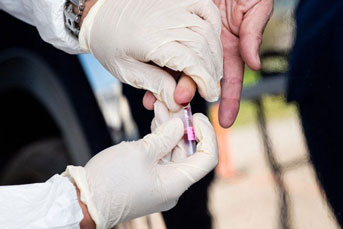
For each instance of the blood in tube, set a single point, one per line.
(189, 135)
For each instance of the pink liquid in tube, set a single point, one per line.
(189, 135)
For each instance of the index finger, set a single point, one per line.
(232, 82)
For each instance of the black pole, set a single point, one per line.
(274, 166)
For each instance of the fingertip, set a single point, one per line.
(148, 100)
(250, 47)
(168, 99)
(185, 90)
(210, 92)
(255, 63)
(174, 107)
(227, 115)
(200, 116)
(225, 121)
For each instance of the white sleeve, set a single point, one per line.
(47, 17)
(52, 204)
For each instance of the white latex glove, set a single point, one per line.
(127, 180)
(162, 115)
(183, 35)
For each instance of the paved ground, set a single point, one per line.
(249, 200)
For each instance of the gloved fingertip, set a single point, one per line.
(200, 116)
(200, 120)
(173, 106)
(210, 96)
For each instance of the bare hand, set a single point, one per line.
(243, 23)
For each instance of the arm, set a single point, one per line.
(120, 183)
(55, 203)
(127, 36)
(128, 181)
(47, 17)
(41, 205)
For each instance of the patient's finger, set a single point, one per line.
(185, 90)
(148, 100)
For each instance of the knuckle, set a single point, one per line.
(228, 81)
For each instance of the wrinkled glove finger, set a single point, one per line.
(164, 139)
(213, 42)
(193, 168)
(161, 115)
(180, 152)
(152, 78)
(180, 58)
(207, 11)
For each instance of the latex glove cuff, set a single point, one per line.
(77, 175)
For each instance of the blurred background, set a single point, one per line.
(52, 115)
(264, 178)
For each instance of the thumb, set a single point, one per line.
(162, 115)
(195, 167)
(251, 32)
(164, 138)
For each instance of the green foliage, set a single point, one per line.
(275, 108)
(250, 77)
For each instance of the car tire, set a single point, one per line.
(36, 162)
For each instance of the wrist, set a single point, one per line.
(87, 221)
(88, 5)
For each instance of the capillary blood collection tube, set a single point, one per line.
(189, 135)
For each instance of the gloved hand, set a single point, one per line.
(162, 115)
(183, 35)
(128, 180)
